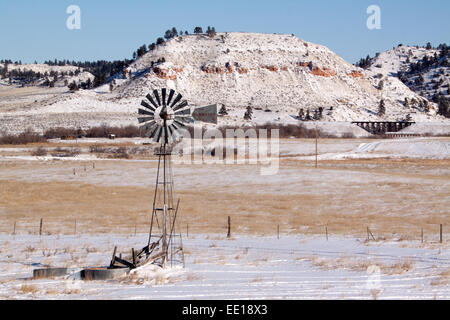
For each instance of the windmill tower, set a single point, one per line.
(164, 115)
(161, 120)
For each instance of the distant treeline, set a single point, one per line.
(102, 70)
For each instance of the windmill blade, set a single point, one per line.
(174, 128)
(150, 133)
(181, 105)
(177, 98)
(206, 114)
(155, 92)
(158, 134)
(171, 93)
(163, 96)
(145, 119)
(149, 128)
(146, 105)
(183, 112)
(164, 137)
(149, 98)
(148, 125)
(179, 123)
(142, 111)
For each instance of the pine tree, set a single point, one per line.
(248, 114)
(168, 35)
(381, 108)
(198, 30)
(223, 111)
(426, 107)
(308, 116)
(443, 106)
(73, 86)
(320, 113)
(406, 102)
(316, 114)
(211, 32)
(301, 114)
(141, 50)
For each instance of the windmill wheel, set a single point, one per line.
(163, 115)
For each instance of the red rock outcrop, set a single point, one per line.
(323, 72)
(356, 74)
(167, 74)
(242, 70)
(271, 68)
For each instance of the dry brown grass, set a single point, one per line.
(104, 209)
(28, 288)
(29, 249)
(72, 291)
(362, 265)
(374, 293)
(443, 278)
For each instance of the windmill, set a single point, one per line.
(164, 115)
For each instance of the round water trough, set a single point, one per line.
(103, 273)
(50, 272)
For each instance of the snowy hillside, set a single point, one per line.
(429, 78)
(45, 71)
(281, 73)
(277, 75)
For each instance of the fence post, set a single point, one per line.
(326, 232)
(440, 233)
(369, 234)
(40, 227)
(278, 231)
(422, 234)
(14, 232)
(187, 230)
(316, 147)
(229, 227)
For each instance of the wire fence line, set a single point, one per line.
(427, 233)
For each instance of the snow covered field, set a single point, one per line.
(395, 187)
(243, 267)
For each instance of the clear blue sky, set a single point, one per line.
(36, 30)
